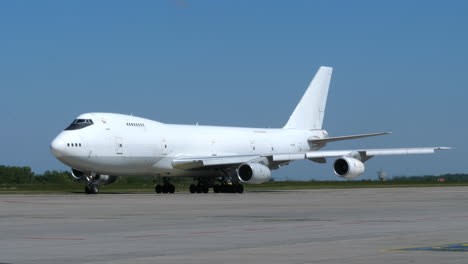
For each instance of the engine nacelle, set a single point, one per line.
(348, 168)
(77, 175)
(100, 180)
(253, 173)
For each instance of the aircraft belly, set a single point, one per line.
(112, 165)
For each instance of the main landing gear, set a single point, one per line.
(228, 188)
(167, 187)
(199, 188)
(204, 185)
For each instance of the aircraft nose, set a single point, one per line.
(57, 147)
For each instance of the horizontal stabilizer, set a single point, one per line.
(331, 139)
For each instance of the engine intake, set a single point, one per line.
(348, 168)
(98, 180)
(77, 175)
(253, 173)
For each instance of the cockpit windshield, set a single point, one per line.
(79, 124)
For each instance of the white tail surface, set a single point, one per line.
(310, 111)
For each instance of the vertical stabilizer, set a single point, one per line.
(310, 111)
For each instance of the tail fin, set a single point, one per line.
(310, 111)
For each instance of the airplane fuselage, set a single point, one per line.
(124, 145)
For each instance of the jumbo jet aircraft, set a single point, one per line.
(100, 147)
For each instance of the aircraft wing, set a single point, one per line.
(365, 153)
(189, 162)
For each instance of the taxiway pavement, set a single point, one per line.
(313, 226)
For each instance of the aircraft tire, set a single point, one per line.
(171, 188)
(193, 188)
(239, 188)
(91, 189)
(205, 189)
(158, 189)
(199, 188)
(216, 188)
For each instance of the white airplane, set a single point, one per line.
(99, 147)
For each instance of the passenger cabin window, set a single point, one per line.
(136, 124)
(79, 124)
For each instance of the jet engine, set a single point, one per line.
(100, 180)
(253, 173)
(97, 180)
(78, 175)
(348, 168)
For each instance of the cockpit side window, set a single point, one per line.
(79, 124)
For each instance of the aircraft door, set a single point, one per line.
(213, 147)
(119, 145)
(163, 146)
(252, 146)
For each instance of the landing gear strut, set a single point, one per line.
(167, 187)
(91, 187)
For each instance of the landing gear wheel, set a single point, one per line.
(239, 188)
(216, 188)
(158, 189)
(171, 188)
(193, 188)
(199, 188)
(205, 189)
(91, 189)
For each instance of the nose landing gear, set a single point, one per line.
(91, 189)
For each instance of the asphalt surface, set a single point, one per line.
(316, 226)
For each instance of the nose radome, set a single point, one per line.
(57, 147)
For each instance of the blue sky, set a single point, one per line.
(399, 66)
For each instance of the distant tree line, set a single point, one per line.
(25, 175)
(459, 177)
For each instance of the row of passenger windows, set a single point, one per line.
(73, 144)
(136, 124)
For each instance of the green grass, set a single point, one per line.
(183, 187)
